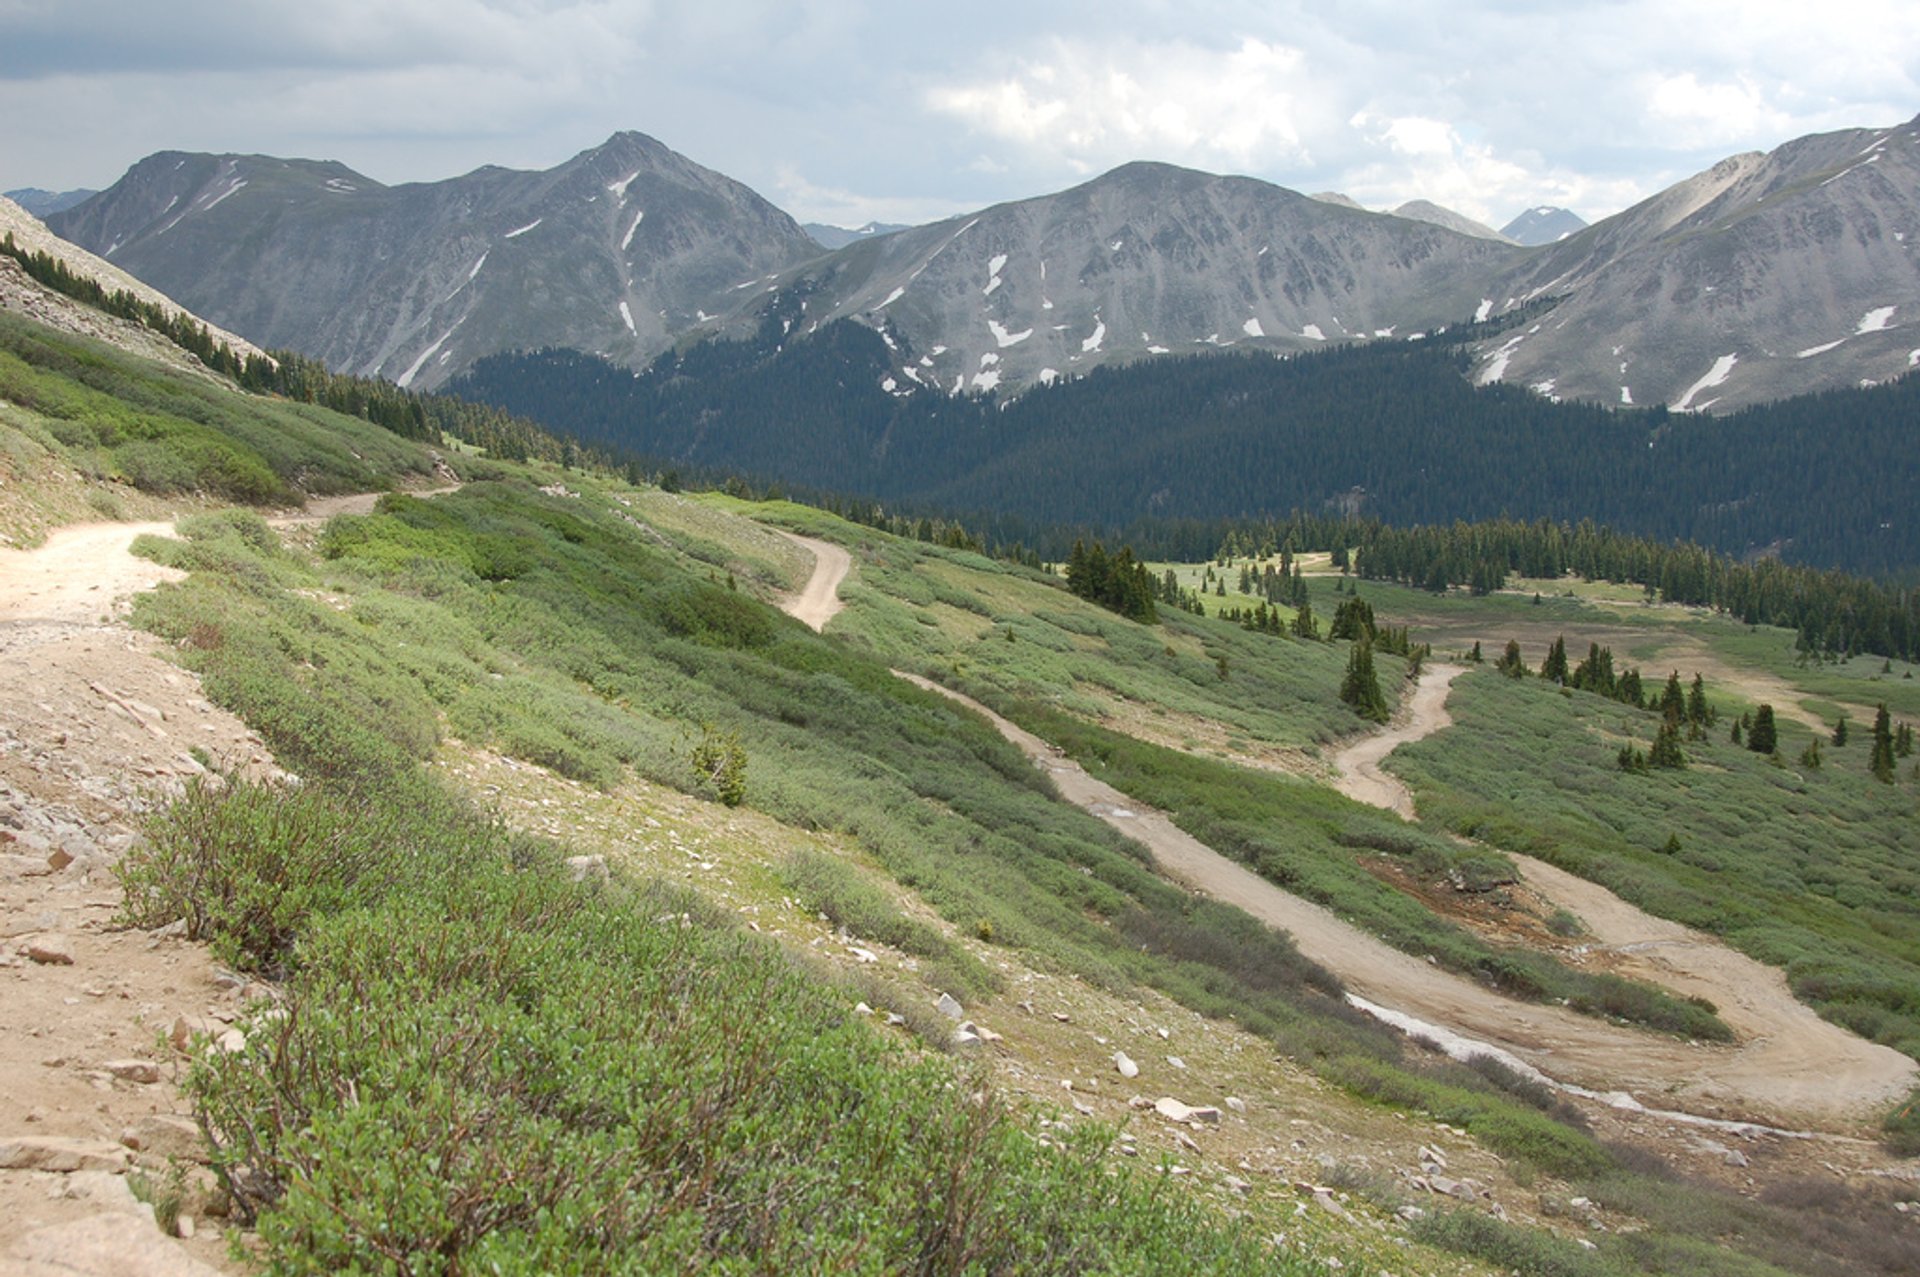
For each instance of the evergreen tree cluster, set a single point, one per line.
(1834, 613)
(1392, 429)
(1117, 582)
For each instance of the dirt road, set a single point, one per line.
(1790, 1068)
(819, 600)
(1424, 713)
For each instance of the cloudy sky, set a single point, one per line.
(845, 110)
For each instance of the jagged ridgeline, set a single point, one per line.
(1392, 431)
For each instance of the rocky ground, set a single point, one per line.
(95, 727)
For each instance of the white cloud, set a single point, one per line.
(1091, 106)
(1723, 113)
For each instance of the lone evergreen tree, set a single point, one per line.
(1554, 668)
(1881, 764)
(1840, 731)
(1511, 663)
(1666, 748)
(1360, 689)
(1762, 738)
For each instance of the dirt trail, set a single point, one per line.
(96, 726)
(819, 601)
(1791, 1067)
(1424, 713)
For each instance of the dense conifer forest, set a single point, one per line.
(1395, 432)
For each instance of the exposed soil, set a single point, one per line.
(819, 600)
(1790, 1067)
(1421, 714)
(95, 727)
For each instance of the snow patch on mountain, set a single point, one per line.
(1486, 309)
(1092, 344)
(476, 267)
(619, 188)
(1252, 328)
(413, 370)
(516, 234)
(1716, 376)
(893, 297)
(627, 315)
(1875, 320)
(993, 273)
(626, 241)
(1312, 333)
(1811, 351)
(1003, 338)
(237, 184)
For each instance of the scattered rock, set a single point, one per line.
(1176, 1062)
(1237, 1104)
(60, 1155)
(1734, 1157)
(52, 949)
(118, 1242)
(582, 868)
(144, 1071)
(950, 1007)
(166, 1135)
(1123, 1065)
(1174, 1111)
(188, 1027)
(1324, 1199)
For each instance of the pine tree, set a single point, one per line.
(1673, 701)
(1511, 663)
(1762, 738)
(1360, 689)
(1666, 748)
(1554, 668)
(1903, 741)
(1698, 711)
(1810, 756)
(1840, 731)
(1881, 764)
(1475, 655)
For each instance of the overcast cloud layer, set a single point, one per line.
(846, 110)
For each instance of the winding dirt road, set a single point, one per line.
(1790, 1067)
(1361, 777)
(819, 600)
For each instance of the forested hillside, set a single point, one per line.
(1396, 432)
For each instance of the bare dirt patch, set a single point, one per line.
(95, 727)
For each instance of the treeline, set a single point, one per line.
(1833, 613)
(1392, 431)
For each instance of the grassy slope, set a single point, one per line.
(560, 631)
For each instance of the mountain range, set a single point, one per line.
(1765, 276)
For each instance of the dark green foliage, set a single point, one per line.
(1880, 763)
(1360, 686)
(1762, 736)
(1511, 663)
(1554, 667)
(484, 1067)
(1116, 582)
(1398, 420)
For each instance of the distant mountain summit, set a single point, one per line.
(1147, 259)
(1543, 225)
(614, 252)
(839, 236)
(1764, 276)
(43, 203)
(1428, 211)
